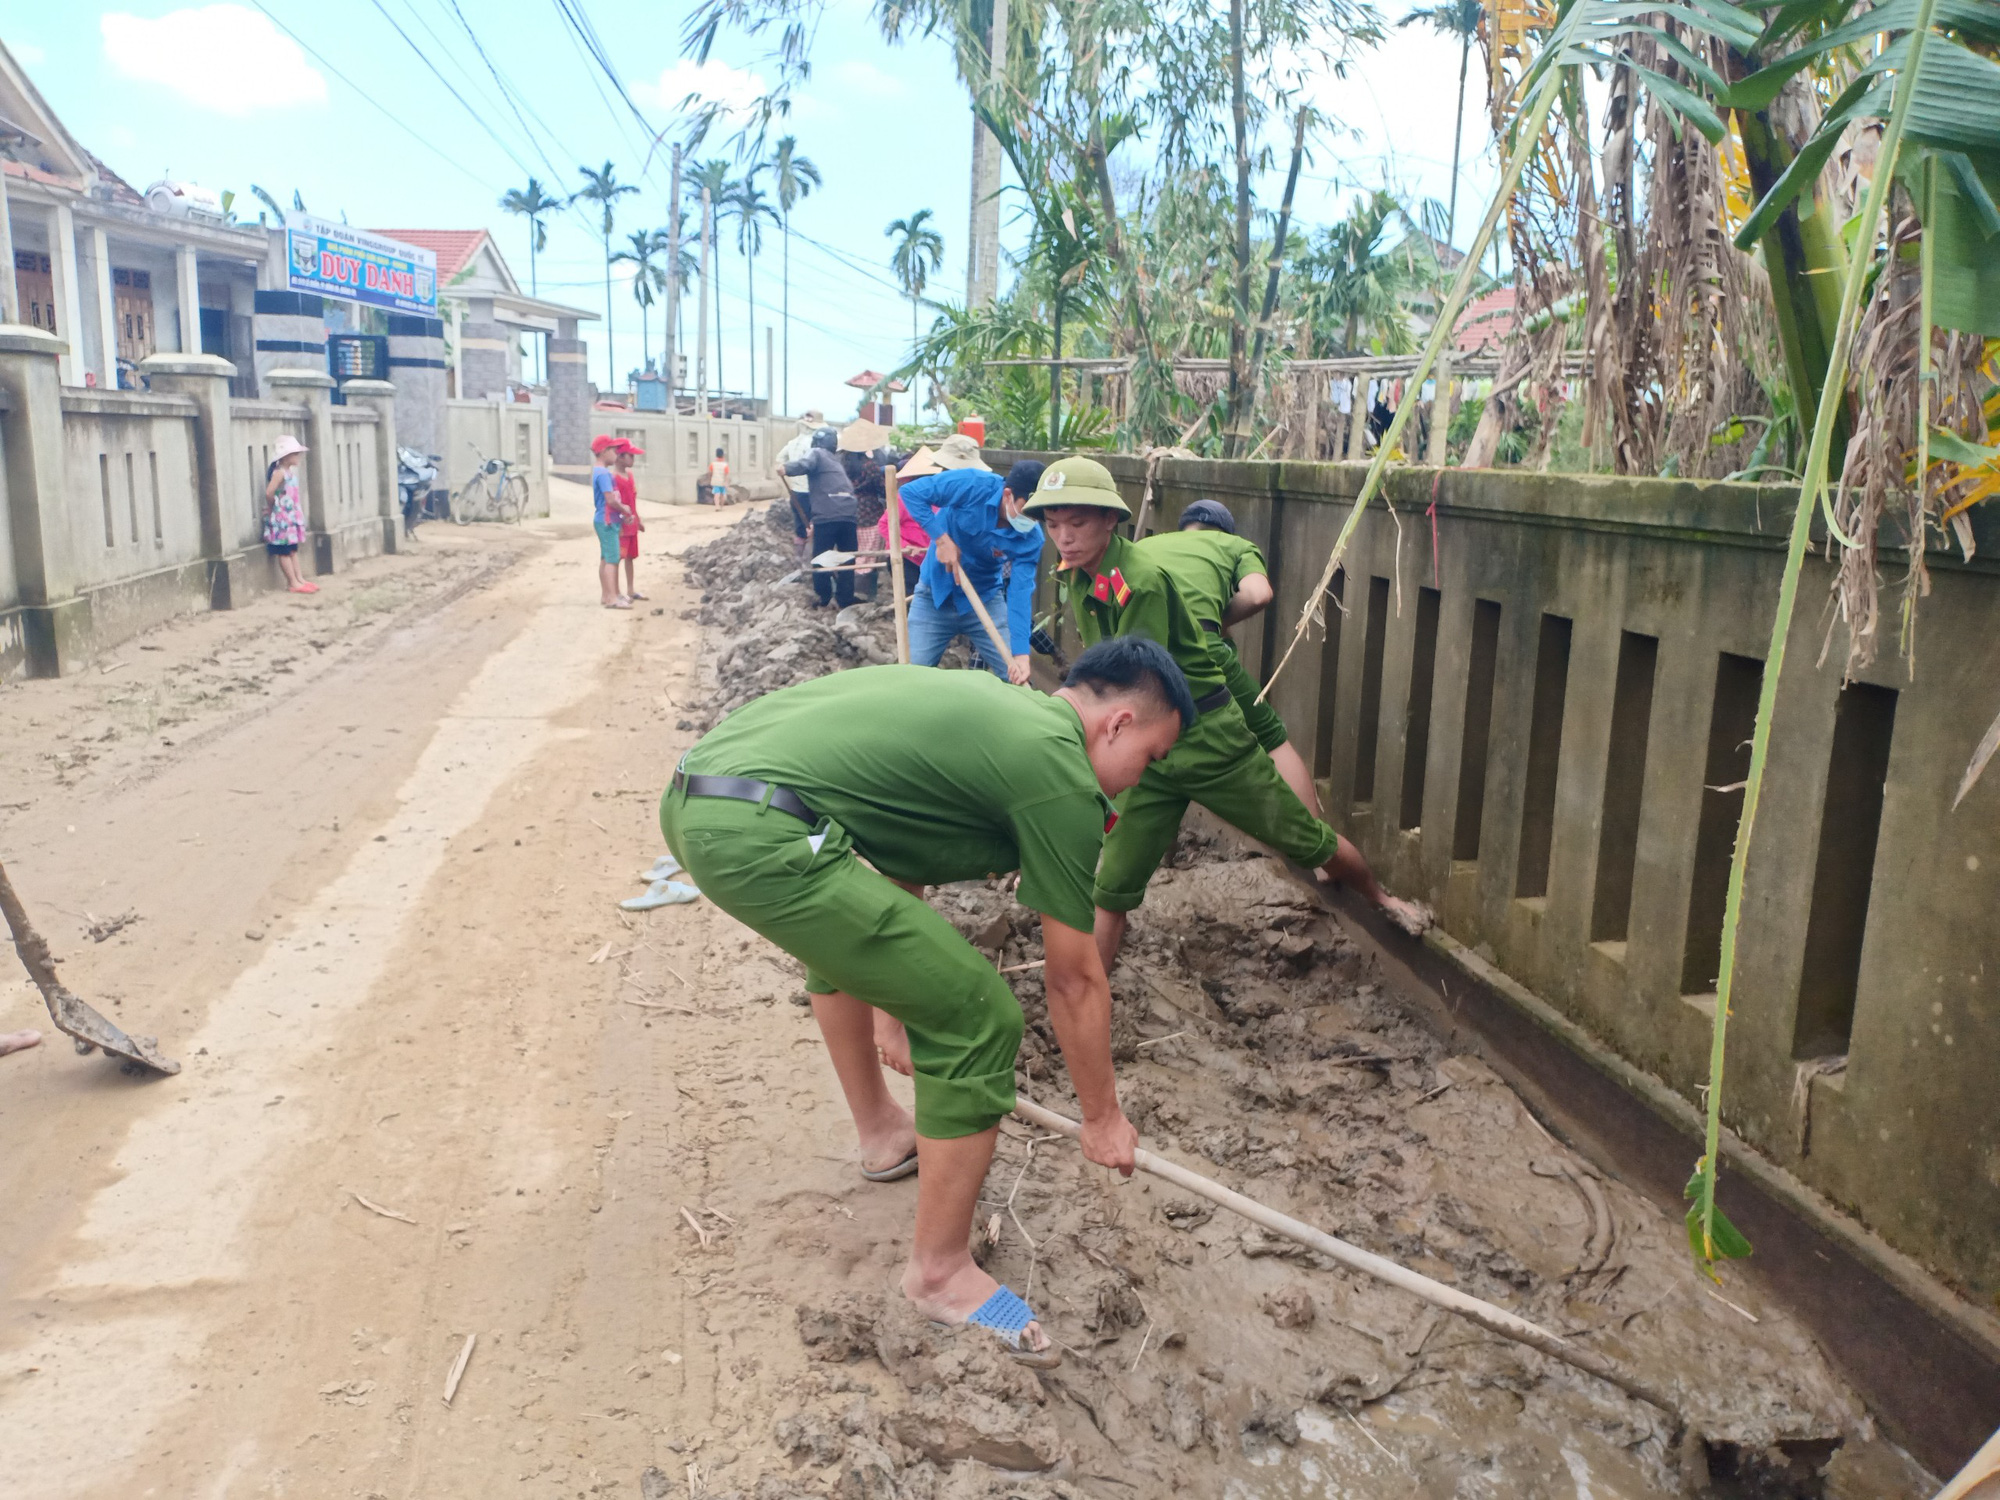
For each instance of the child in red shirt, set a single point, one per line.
(628, 496)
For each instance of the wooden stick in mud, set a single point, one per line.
(895, 505)
(1485, 1314)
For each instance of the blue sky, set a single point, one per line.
(217, 94)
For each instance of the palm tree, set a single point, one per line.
(1354, 281)
(649, 276)
(532, 202)
(713, 175)
(753, 211)
(604, 188)
(919, 252)
(1459, 18)
(796, 178)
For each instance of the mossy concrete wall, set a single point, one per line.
(1675, 582)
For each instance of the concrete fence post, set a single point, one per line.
(55, 619)
(379, 396)
(313, 390)
(205, 379)
(569, 397)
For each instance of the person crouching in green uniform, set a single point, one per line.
(933, 776)
(1223, 578)
(1115, 589)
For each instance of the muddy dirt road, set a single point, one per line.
(373, 844)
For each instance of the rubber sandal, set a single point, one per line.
(664, 868)
(905, 1168)
(662, 893)
(1006, 1317)
(635, 595)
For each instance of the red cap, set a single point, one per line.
(626, 445)
(604, 440)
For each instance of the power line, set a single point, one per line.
(321, 58)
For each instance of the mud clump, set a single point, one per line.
(766, 633)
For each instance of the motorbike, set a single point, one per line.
(416, 473)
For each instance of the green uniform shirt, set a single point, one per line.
(1153, 605)
(936, 776)
(1208, 567)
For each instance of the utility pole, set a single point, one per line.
(770, 372)
(701, 321)
(673, 281)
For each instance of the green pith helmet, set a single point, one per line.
(1076, 481)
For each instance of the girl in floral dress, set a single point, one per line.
(284, 521)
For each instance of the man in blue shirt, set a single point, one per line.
(979, 541)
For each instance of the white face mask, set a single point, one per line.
(1022, 524)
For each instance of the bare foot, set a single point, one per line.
(889, 1147)
(958, 1296)
(18, 1041)
(1412, 917)
(892, 1044)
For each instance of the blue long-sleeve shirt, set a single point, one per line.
(964, 504)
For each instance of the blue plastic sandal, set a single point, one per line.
(1007, 1317)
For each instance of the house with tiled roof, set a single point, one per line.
(114, 273)
(476, 291)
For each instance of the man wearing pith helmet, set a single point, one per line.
(1113, 588)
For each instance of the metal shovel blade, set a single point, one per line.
(88, 1029)
(833, 558)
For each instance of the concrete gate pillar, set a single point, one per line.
(313, 390)
(55, 620)
(482, 354)
(417, 366)
(205, 378)
(290, 333)
(382, 398)
(569, 397)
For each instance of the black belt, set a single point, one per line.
(743, 789)
(1207, 705)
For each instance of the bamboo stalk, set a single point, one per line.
(1810, 490)
(1485, 1314)
(895, 504)
(1528, 133)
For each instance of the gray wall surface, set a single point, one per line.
(1576, 833)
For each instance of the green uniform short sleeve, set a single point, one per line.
(1059, 839)
(1249, 564)
(1139, 598)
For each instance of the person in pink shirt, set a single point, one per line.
(916, 544)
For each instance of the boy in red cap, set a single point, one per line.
(607, 514)
(622, 454)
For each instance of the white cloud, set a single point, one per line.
(861, 76)
(227, 58)
(735, 89)
(27, 54)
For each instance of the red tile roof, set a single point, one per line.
(452, 247)
(1487, 321)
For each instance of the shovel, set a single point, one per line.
(73, 1018)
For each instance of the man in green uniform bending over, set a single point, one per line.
(933, 776)
(1223, 579)
(1115, 589)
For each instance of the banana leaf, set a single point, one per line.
(1965, 269)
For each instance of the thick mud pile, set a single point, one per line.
(1256, 1044)
(769, 633)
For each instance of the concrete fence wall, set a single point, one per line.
(1530, 706)
(123, 509)
(514, 430)
(679, 449)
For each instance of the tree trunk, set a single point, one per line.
(721, 384)
(785, 315)
(610, 342)
(982, 271)
(750, 271)
(1055, 377)
(673, 316)
(1457, 135)
(701, 317)
(1239, 322)
(1240, 436)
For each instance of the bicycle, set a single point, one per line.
(497, 491)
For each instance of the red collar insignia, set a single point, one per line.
(1110, 822)
(1105, 587)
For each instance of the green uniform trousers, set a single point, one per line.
(1218, 763)
(857, 931)
(1268, 729)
